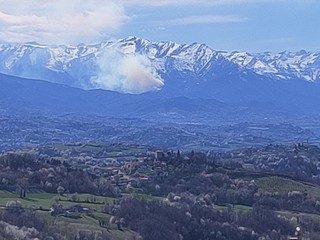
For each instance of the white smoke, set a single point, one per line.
(126, 73)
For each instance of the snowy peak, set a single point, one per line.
(78, 65)
(284, 65)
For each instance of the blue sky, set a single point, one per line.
(249, 25)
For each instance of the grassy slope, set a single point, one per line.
(284, 185)
(87, 221)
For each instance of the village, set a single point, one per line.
(122, 165)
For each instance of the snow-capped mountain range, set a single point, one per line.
(195, 73)
(77, 65)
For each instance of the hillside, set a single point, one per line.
(122, 191)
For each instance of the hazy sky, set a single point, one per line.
(251, 25)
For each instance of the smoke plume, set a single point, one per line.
(126, 73)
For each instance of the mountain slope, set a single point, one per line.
(76, 65)
(36, 95)
(288, 81)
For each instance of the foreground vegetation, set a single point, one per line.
(132, 192)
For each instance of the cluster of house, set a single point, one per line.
(123, 171)
(73, 211)
(133, 172)
(137, 171)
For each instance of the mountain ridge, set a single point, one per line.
(41, 96)
(59, 63)
(190, 71)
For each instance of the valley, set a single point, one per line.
(27, 130)
(204, 144)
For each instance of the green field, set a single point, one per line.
(43, 201)
(46, 200)
(284, 185)
(146, 197)
(109, 149)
